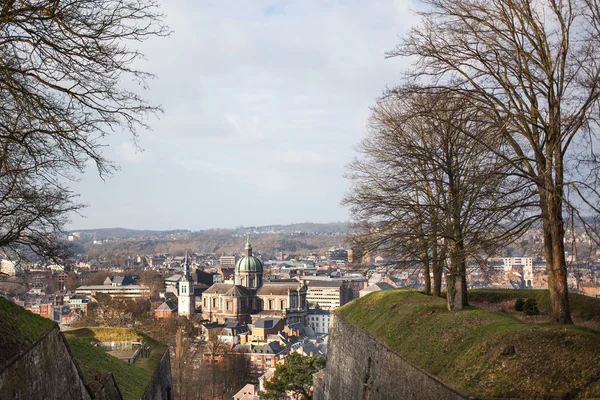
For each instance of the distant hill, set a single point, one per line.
(124, 233)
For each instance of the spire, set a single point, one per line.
(248, 246)
(185, 266)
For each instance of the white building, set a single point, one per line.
(318, 320)
(524, 264)
(186, 300)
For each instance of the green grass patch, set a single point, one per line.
(132, 379)
(583, 308)
(19, 328)
(483, 352)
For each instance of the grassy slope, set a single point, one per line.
(132, 379)
(19, 328)
(465, 348)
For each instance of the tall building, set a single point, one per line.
(326, 295)
(186, 299)
(227, 261)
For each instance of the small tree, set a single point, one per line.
(530, 307)
(519, 304)
(293, 376)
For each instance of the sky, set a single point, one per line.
(264, 104)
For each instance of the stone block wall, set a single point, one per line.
(360, 367)
(45, 371)
(160, 386)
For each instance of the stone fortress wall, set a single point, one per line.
(360, 367)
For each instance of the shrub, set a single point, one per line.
(519, 304)
(530, 307)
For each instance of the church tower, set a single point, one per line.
(186, 299)
(249, 270)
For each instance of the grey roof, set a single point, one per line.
(377, 287)
(278, 288)
(229, 290)
(309, 348)
(167, 305)
(173, 278)
(121, 280)
(319, 283)
(219, 288)
(266, 323)
(269, 348)
(318, 311)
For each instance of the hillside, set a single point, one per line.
(220, 243)
(483, 352)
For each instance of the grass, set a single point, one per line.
(132, 379)
(19, 328)
(465, 349)
(583, 308)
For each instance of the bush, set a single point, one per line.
(530, 307)
(519, 304)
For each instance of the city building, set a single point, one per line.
(114, 291)
(326, 294)
(227, 261)
(166, 310)
(319, 321)
(249, 297)
(186, 300)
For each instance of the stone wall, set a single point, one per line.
(45, 371)
(105, 388)
(160, 386)
(360, 367)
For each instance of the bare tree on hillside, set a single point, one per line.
(423, 184)
(535, 68)
(62, 64)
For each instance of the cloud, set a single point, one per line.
(264, 97)
(130, 153)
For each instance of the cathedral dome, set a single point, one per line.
(249, 263)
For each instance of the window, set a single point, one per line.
(204, 302)
(270, 304)
(282, 305)
(214, 302)
(228, 305)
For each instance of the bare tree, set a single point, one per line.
(535, 67)
(424, 182)
(62, 65)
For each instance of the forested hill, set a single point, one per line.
(298, 239)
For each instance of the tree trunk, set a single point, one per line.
(426, 268)
(463, 278)
(556, 265)
(454, 292)
(438, 268)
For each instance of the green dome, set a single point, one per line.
(248, 264)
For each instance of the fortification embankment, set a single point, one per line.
(44, 371)
(360, 367)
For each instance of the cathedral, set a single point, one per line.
(249, 297)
